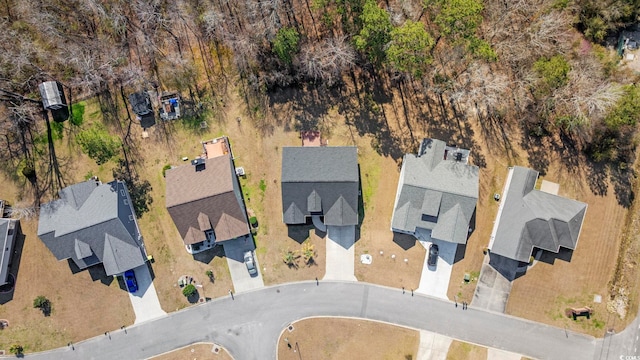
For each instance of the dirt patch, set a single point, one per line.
(459, 350)
(337, 338)
(199, 351)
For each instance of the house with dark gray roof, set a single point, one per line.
(9, 231)
(530, 218)
(437, 193)
(322, 181)
(205, 202)
(93, 223)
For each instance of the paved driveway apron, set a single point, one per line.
(434, 281)
(340, 251)
(145, 301)
(234, 251)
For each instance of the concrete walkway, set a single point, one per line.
(145, 301)
(340, 242)
(433, 346)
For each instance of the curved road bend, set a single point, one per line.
(250, 325)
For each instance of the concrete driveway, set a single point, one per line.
(493, 289)
(340, 253)
(145, 301)
(434, 281)
(234, 251)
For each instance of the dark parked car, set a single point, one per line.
(251, 264)
(433, 255)
(130, 280)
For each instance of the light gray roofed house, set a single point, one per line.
(9, 230)
(437, 191)
(93, 223)
(320, 181)
(532, 218)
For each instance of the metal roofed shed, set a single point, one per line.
(141, 105)
(52, 95)
(170, 106)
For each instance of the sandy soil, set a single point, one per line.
(338, 338)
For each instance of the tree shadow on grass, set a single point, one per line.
(597, 178)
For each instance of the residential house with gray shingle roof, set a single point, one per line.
(205, 202)
(322, 181)
(530, 218)
(437, 193)
(93, 223)
(9, 231)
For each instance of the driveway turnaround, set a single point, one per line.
(145, 301)
(234, 251)
(249, 324)
(340, 242)
(434, 280)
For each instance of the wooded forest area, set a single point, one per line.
(541, 65)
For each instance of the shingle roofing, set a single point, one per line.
(436, 192)
(7, 241)
(93, 223)
(320, 180)
(532, 218)
(206, 197)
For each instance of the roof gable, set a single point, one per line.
(532, 218)
(82, 249)
(436, 192)
(341, 213)
(314, 202)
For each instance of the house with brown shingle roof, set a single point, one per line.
(205, 202)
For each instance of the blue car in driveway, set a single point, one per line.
(130, 281)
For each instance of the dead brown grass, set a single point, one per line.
(199, 351)
(459, 350)
(338, 338)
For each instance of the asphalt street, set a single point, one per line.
(249, 326)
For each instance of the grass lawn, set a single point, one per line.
(339, 338)
(459, 350)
